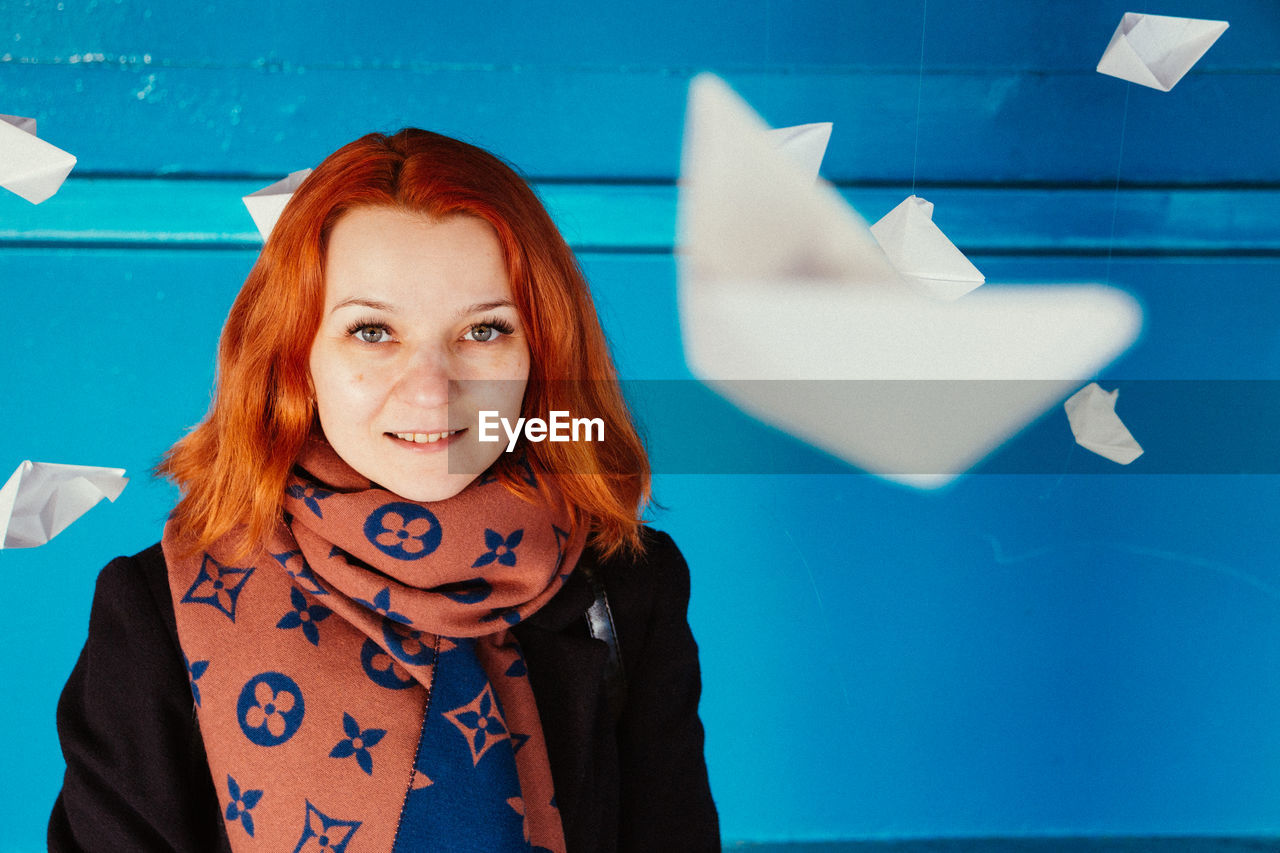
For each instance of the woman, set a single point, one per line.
(366, 629)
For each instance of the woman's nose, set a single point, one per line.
(424, 380)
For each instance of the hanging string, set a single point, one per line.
(1115, 200)
(915, 157)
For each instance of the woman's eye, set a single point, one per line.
(483, 333)
(372, 334)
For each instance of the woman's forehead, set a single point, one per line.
(400, 259)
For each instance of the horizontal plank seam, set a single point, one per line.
(132, 62)
(617, 182)
(1258, 252)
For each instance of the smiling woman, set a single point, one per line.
(364, 628)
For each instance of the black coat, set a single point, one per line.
(137, 777)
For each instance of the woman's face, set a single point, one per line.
(419, 333)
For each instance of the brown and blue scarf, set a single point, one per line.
(357, 684)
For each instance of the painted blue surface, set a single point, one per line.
(976, 125)
(661, 34)
(640, 218)
(1073, 652)
(572, 89)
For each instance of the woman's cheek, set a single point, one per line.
(513, 363)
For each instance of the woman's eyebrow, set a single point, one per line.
(486, 306)
(388, 307)
(367, 303)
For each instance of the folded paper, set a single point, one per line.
(29, 166)
(1157, 50)
(41, 499)
(806, 144)
(1096, 426)
(779, 279)
(266, 205)
(21, 122)
(924, 256)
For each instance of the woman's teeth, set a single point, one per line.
(424, 437)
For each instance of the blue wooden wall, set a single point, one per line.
(1072, 651)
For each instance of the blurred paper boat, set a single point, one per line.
(779, 279)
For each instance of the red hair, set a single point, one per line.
(232, 468)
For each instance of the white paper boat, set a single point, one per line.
(29, 166)
(1157, 50)
(924, 256)
(804, 143)
(41, 499)
(266, 205)
(1096, 426)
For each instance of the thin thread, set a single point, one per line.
(1115, 202)
(1202, 563)
(1066, 466)
(915, 156)
(822, 612)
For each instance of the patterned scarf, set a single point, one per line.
(357, 685)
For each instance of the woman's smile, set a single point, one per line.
(425, 442)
